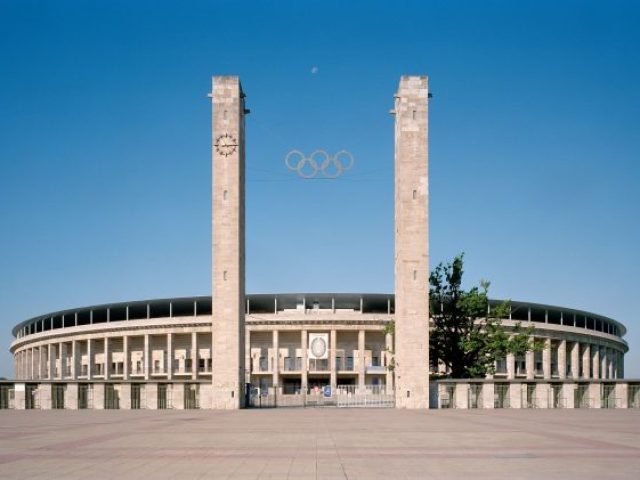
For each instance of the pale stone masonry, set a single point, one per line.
(198, 352)
(411, 244)
(228, 281)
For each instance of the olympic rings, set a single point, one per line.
(319, 163)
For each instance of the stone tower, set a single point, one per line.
(411, 244)
(228, 311)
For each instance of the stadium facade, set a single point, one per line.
(232, 350)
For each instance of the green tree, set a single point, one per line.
(468, 336)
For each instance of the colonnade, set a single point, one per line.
(561, 358)
(123, 357)
(187, 354)
(272, 362)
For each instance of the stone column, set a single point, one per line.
(89, 359)
(305, 361)
(622, 395)
(276, 361)
(150, 397)
(575, 360)
(98, 396)
(562, 359)
(332, 361)
(388, 340)
(170, 355)
(529, 359)
(610, 362)
(63, 360)
(126, 356)
(44, 392)
(361, 362)
(71, 396)
(147, 356)
(125, 396)
(488, 392)
(511, 366)
(412, 243)
(194, 355)
(40, 363)
(568, 393)
(462, 395)
(515, 395)
(107, 359)
(546, 359)
(74, 361)
(19, 399)
(51, 355)
(603, 362)
(586, 361)
(594, 394)
(595, 362)
(542, 395)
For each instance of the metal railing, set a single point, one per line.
(475, 396)
(292, 364)
(344, 396)
(633, 400)
(318, 365)
(501, 396)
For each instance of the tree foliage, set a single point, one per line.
(468, 336)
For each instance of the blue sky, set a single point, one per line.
(105, 148)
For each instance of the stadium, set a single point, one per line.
(329, 347)
(231, 350)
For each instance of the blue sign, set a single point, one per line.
(326, 391)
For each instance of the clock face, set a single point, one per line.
(318, 347)
(226, 144)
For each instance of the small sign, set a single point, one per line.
(326, 391)
(19, 387)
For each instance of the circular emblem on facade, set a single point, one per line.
(319, 347)
(226, 144)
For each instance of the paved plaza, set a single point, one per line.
(320, 443)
